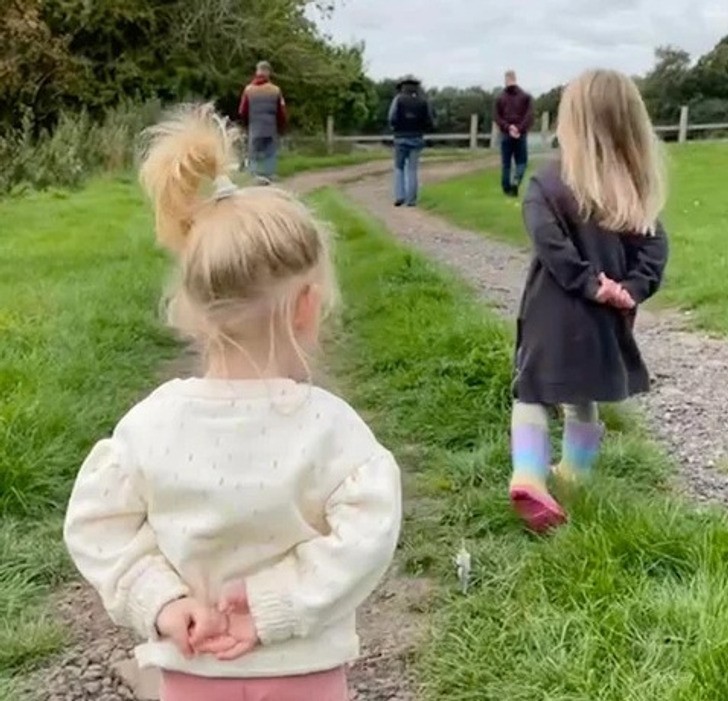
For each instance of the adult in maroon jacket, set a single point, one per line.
(514, 116)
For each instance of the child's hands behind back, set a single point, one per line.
(186, 619)
(613, 294)
(241, 636)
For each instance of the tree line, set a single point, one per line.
(61, 56)
(674, 81)
(72, 55)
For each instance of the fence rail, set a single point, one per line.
(475, 137)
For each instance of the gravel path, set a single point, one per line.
(689, 369)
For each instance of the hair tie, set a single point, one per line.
(224, 187)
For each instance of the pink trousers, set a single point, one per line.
(325, 686)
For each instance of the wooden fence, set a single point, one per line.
(544, 136)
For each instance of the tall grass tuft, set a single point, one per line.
(77, 148)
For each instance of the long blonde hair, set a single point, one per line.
(611, 158)
(243, 253)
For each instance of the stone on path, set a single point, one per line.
(143, 682)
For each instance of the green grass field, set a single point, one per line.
(79, 288)
(696, 218)
(628, 602)
(291, 162)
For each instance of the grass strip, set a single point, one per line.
(629, 601)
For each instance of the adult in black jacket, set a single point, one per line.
(410, 117)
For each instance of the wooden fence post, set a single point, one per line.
(473, 131)
(545, 125)
(682, 136)
(494, 136)
(330, 133)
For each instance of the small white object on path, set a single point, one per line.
(463, 562)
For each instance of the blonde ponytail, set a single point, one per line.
(190, 147)
(243, 254)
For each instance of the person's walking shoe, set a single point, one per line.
(262, 180)
(514, 189)
(537, 508)
(412, 204)
(529, 495)
(398, 203)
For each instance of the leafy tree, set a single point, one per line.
(667, 86)
(454, 107)
(36, 67)
(59, 54)
(709, 103)
(549, 102)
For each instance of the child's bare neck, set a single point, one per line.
(237, 366)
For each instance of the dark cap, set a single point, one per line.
(408, 79)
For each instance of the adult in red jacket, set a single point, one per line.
(263, 112)
(514, 116)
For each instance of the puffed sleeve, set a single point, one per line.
(112, 544)
(327, 578)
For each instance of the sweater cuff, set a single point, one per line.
(271, 606)
(149, 595)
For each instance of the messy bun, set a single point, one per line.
(243, 254)
(191, 146)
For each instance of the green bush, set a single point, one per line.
(77, 148)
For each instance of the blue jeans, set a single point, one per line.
(513, 150)
(263, 156)
(407, 152)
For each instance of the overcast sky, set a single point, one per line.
(471, 42)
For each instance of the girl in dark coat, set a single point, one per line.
(599, 252)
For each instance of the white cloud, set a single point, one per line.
(472, 42)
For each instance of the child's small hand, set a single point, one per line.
(184, 619)
(234, 598)
(240, 639)
(241, 635)
(612, 293)
(623, 300)
(607, 289)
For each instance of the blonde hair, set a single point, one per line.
(611, 158)
(243, 253)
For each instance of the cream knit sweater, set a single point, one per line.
(206, 481)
